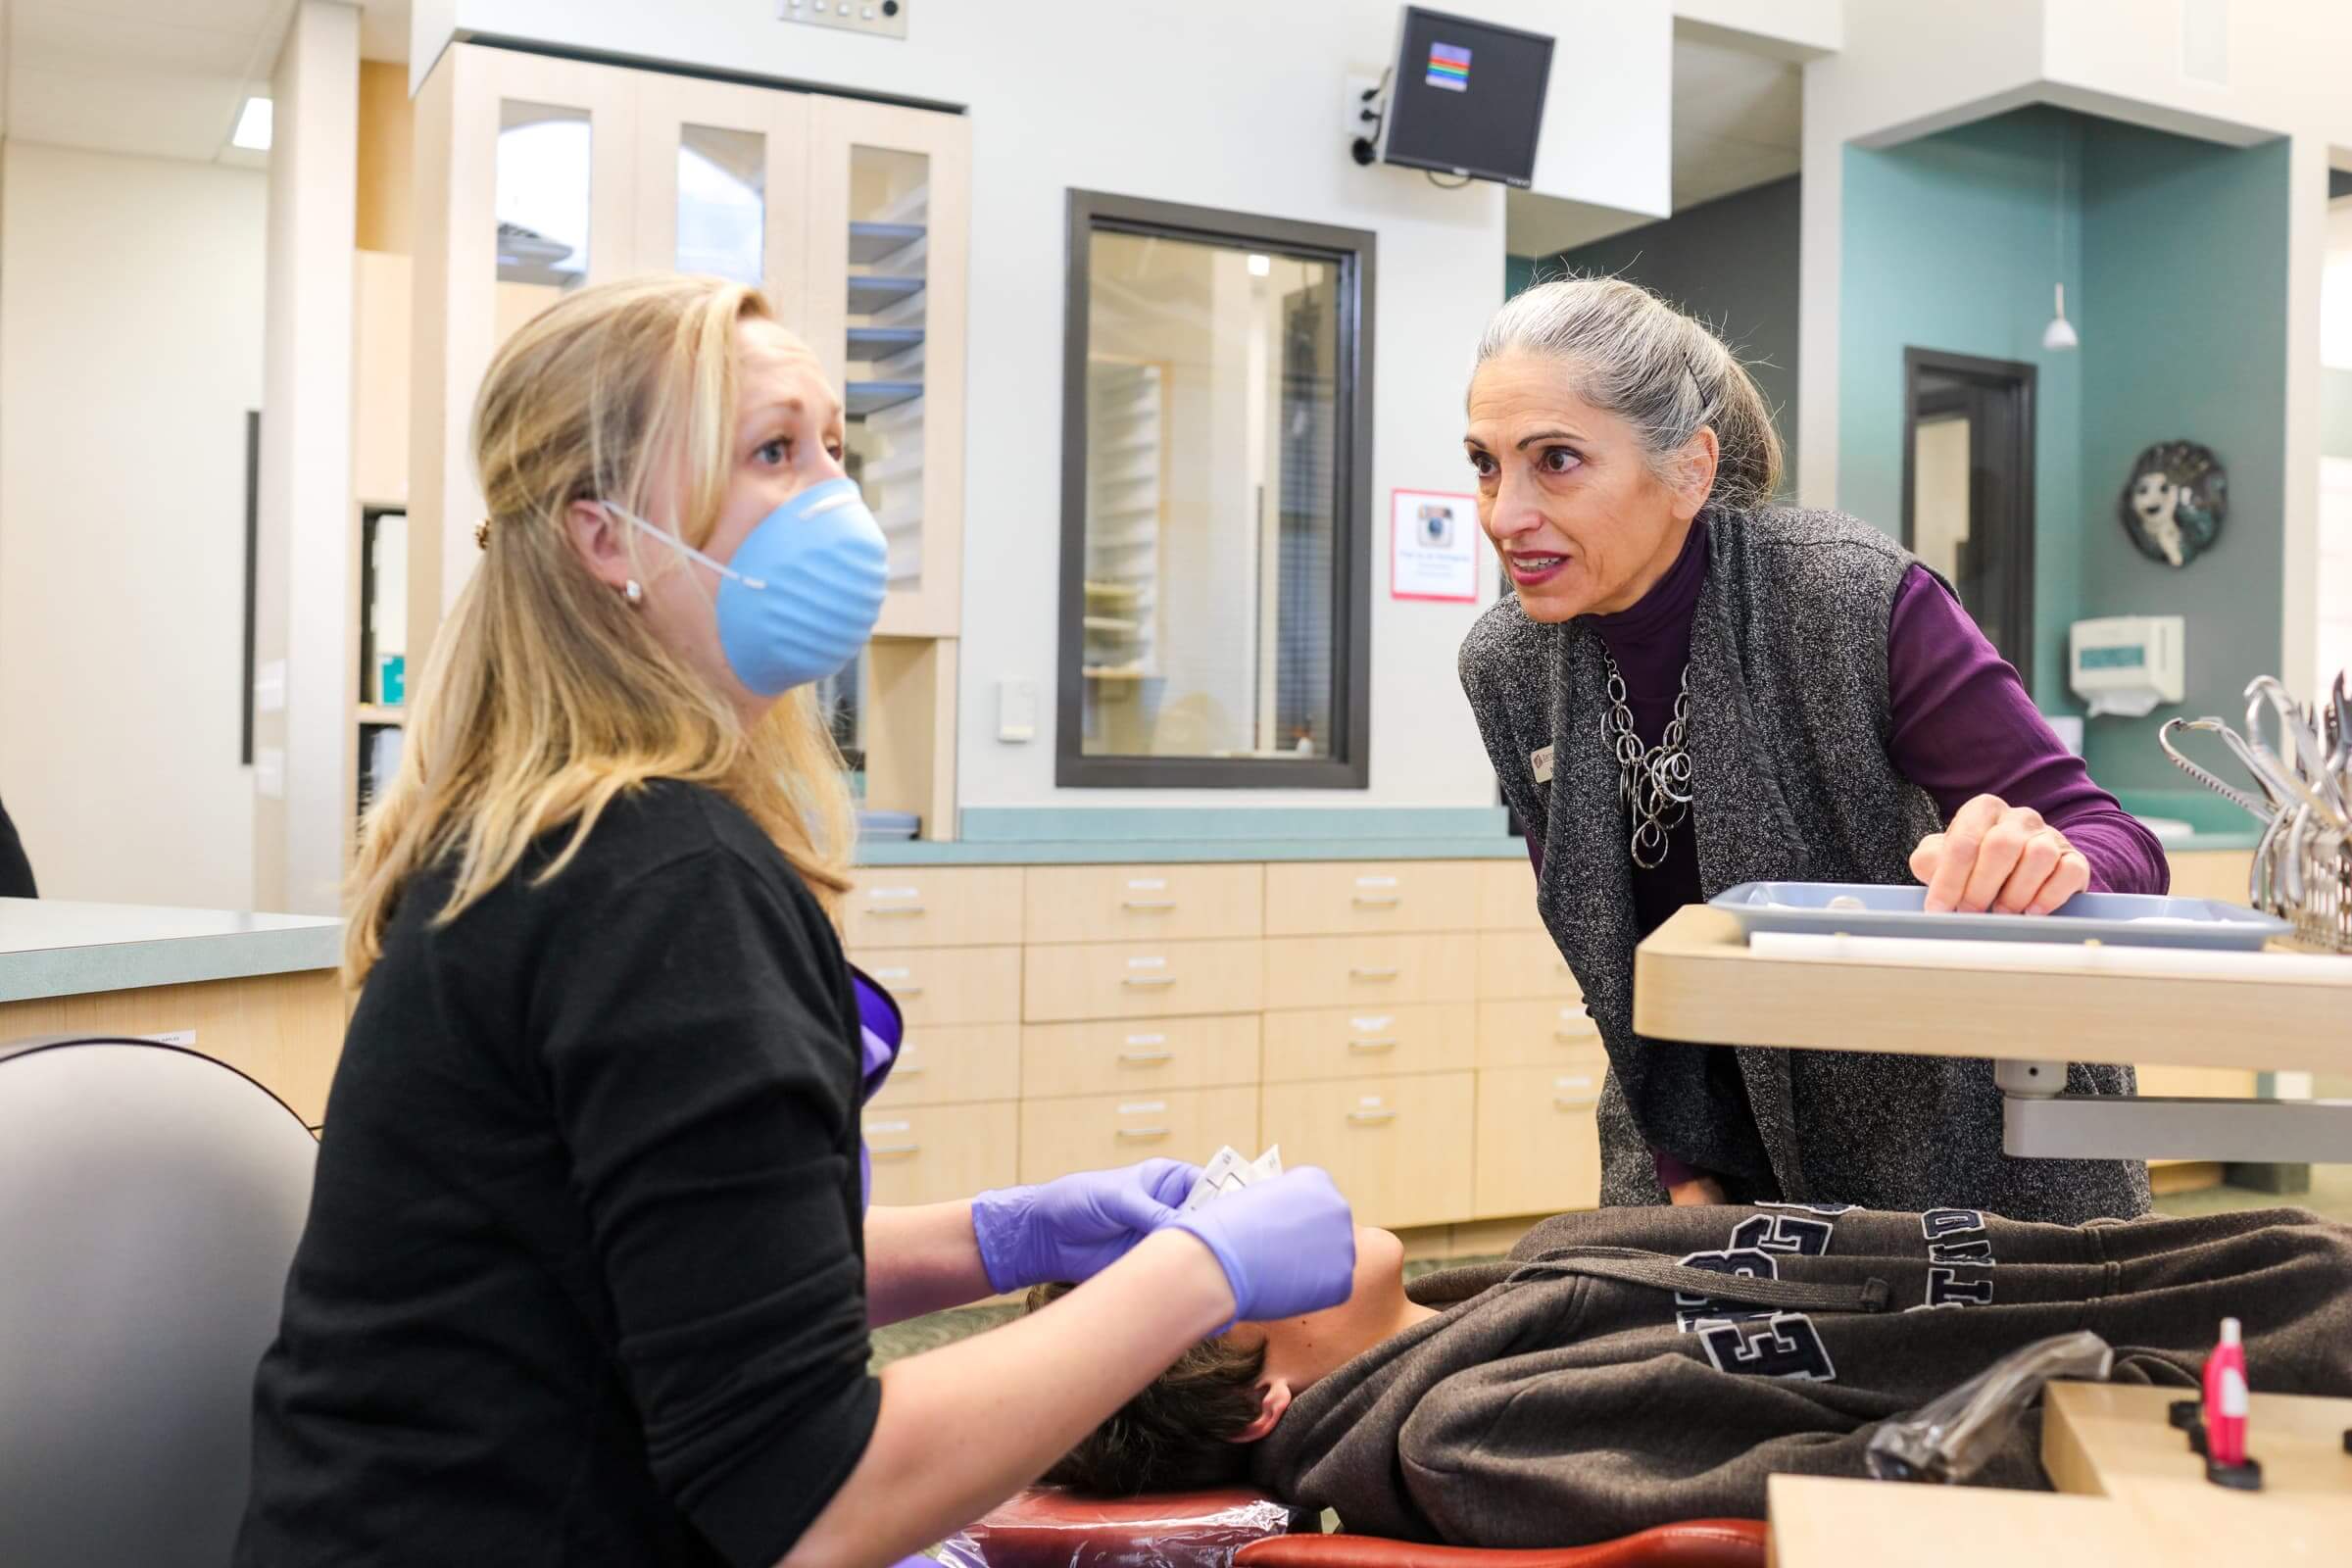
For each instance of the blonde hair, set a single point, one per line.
(545, 695)
(1662, 372)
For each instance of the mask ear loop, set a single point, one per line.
(681, 546)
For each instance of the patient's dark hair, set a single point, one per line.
(1175, 1435)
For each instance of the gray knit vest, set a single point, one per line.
(1789, 720)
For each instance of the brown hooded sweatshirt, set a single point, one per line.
(1636, 1366)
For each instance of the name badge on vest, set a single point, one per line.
(1540, 762)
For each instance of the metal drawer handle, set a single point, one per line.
(1371, 1047)
(1572, 1036)
(1148, 982)
(892, 1150)
(1146, 1057)
(893, 911)
(904, 991)
(1366, 901)
(906, 1069)
(1142, 1135)
(1360, 972)
(1565, 1102)
(1371, 1119)
(1148, 906)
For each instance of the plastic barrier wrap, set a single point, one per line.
(1951, 1438)
(1048, 1529)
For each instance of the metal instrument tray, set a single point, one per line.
(2125, 919)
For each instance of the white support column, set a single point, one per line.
(305, 651)
(2306, 260)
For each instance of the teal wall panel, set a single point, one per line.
(2183, 319)
(1953, 242)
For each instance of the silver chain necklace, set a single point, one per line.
(1653, 783)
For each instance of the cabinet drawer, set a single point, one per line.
(2196, 1083)
(1369, 971)
(1506, 896)
(1307, 899)
(1399, 1148)
(954, 1064)
(1144, 902)
(1141, 980)
(1523, 964)
(1139, 1056)
(1061, 1136)
(1369, 1042)
(939, 1154)
(949, 985)
(1539, 1149)
(924, 906)
(1536, 1034)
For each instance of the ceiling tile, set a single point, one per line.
(48, 36)
(152, 112)
(248, 16)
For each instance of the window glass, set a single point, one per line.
(723, 203)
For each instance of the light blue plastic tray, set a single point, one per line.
(1866, 910)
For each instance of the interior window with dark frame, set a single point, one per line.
(1215, 474)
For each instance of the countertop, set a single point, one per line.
(52, 948)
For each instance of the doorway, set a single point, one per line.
(1967, 487)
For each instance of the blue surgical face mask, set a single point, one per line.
(804, 590)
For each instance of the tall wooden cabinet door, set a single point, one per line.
(527, 176)
(721, 174)
(889, 196)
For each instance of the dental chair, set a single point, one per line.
(1049, 1528)
(150, 1200)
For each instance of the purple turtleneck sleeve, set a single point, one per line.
(1964, 726)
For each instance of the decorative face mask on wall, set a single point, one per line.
(2174, 503)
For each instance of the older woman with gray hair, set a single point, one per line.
(1694, 687)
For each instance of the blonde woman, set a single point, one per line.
(588, 1274)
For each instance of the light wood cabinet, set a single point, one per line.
(949, 985)
(1144, 902)
(1140, 980)
(1524, 964)
(954, 1064)
(1344, 898)
(1506, 896)
(1060, 1136)
(1399, 1148)
(937, 1155)
(2211, 874)
(1370, 972)
(930, 906)
(1537, 1146)
(1533, 1034)
(1142, 1056)
(1369, 1043)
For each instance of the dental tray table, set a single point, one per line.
(2124, 918)
(1723, 976)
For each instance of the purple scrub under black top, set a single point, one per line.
(1963, 727)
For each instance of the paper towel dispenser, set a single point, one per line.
(2126, 665)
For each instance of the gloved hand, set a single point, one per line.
(1075, 1227)
(1287, 1245)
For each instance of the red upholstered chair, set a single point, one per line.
(1048, 1527)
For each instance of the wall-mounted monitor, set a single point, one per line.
(1466, 97)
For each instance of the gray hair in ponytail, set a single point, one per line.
(1663, 372)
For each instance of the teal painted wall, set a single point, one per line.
(2183, 321)
(1517, 272)
(2335, 414)
(1953, 242)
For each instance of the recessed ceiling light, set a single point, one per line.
(253, 127)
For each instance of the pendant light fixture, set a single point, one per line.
(2060, 334)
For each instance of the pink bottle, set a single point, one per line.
(2225, 1399)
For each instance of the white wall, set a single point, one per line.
(1225, 104)
(308, 531)
(130, 350)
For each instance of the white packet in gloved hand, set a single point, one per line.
(1227, 1172)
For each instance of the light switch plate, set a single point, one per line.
(885, 18)
(1016, 710)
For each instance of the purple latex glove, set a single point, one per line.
(1287, 1245)
(1075, 1227)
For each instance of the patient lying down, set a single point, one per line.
(1636, 1366)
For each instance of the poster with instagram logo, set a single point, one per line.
(1433, 546)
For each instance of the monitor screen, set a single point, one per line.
(1467, 97)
